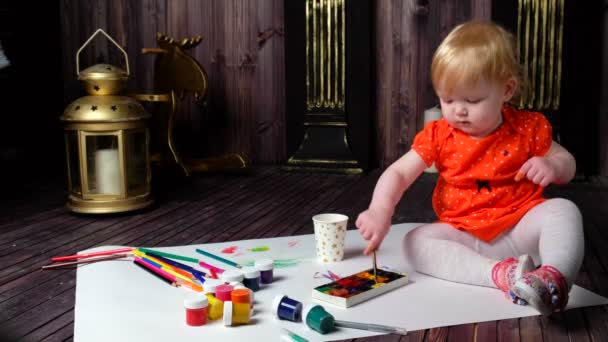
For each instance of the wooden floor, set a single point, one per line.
(37, 305)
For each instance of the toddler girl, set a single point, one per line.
(493, 161)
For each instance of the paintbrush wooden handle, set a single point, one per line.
(85, 261)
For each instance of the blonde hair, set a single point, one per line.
(474, 51)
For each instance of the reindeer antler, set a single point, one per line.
(188, 43)
(176, 70)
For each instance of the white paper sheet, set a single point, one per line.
(116, 301)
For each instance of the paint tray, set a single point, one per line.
(359, 287)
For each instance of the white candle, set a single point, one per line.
(107, 171)
(432, 114)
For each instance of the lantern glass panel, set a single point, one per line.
(136, 151)
(71, 143)
(103, 165)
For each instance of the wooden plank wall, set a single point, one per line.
(242, 51)
(407, 34)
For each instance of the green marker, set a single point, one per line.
(294, 336)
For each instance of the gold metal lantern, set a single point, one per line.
(107, 142)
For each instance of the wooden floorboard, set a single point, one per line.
(37, 305)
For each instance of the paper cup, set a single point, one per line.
(330, 231)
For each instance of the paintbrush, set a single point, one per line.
(83, 261)
(375, 268)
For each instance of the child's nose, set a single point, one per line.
(461, 111)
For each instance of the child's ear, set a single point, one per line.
(510, 88)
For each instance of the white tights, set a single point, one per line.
(551, 233)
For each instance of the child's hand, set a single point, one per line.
(539, 170)
(373, 226)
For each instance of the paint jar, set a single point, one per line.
(231, 275)
(222, 292)
(286, 308)
(216, 306)
(196, 310)
(241, 306)
(215, 309)
(318, 319)
(266, 268)
(241, 286)
(251, 278)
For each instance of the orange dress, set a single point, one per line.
(476, 190)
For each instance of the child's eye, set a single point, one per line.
(447, 101)
(473, 101)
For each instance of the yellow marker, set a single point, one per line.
(519, 176)
(169, 269)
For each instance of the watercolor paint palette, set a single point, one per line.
(359, 287)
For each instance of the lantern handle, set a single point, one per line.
(89, 40)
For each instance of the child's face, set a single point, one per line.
(476, 110)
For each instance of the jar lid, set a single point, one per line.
(223, 290)
(240, 296)
(231, 275)
(196, 302)
(250, 272)
(227, 313)
(251, 293)
(264, 264)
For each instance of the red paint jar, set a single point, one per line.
(196, 310)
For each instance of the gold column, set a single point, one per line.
(540, 26)
(325, 54)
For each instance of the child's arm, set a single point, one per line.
(557, 166)
(374, 222)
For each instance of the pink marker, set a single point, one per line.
(210, 267)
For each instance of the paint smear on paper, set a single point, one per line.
(278, 263)
(230, 250)
(260, 249)
(293, 243)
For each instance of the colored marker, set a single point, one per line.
(293, 336)
(179, 265)
(159, 263)
(92, 254)
(192, 286)
(218, 258)
(160, 272)
(519, 176)
(211, 268)
(371, 327)
(167, 269)
(157, 275)
(169, 255)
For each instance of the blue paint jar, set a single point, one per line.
(251, 278)
(286, 308)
